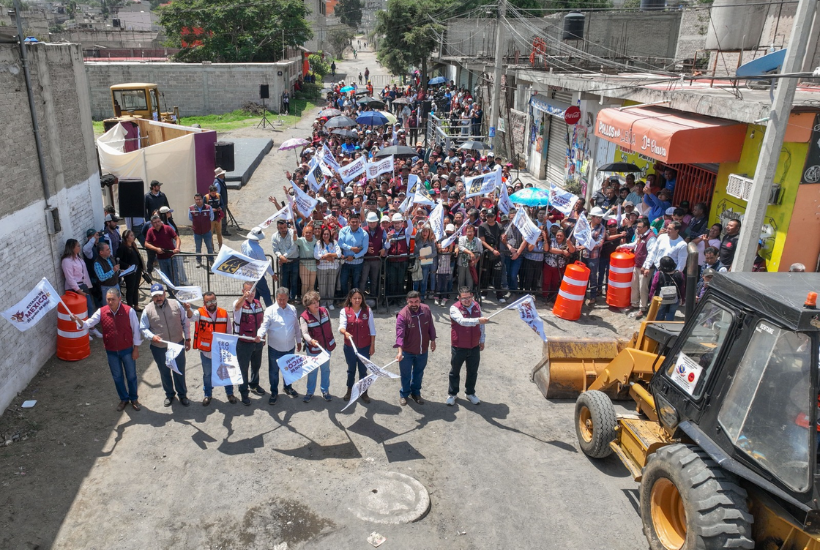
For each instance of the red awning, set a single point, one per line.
(673, 137)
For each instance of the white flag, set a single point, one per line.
(304, 202)
(451, 239)
(406, 203)
(329, 159)
(422, 196)
(528, 314)
(583, 233)
(282, 214)
(412, 181)
(482, 185)
(294, 366)
(359, 388)
(562, 200)
(171, 353)
(378, 167)
(527, 228)
(374, 369)
(437, 221)
(182, 293)
(231, 263)
(355, 168)
(504, 202)
(224, 363)
(28, 311)
(315, 176)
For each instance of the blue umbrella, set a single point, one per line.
(372, 118)
(530, 196)
(347, 89)
(437, 80)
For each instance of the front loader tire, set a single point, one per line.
(689, 503)
(595, 423)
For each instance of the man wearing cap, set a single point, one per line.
(592, 257)
(163, 320)
(353, 242)
(222, 189)
(489, 233)
(371, 267)
(164, 242)
(398, 239)
(201, 217)
(112, 234)
(252, 249)
(286, 252)
(107, 272)
(154, 200)
(642, 245)
(207, 320)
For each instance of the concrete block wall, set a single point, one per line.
(64, 118)
(197, 89)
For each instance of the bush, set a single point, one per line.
(318, 65)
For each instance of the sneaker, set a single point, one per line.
(272, 400)
(258, 390)
(473, 399)
(184, 401)
(403, 401)
(168, 401)
(291, 392)
(96, 333)
(306, 398)
(327, 397)
(444, 303)
(199, 264)
(640, 315)
(502, 301)
(246, 401)
(436, 301)
(451, 400)
(331, 308)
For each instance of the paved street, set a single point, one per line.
(504, 474)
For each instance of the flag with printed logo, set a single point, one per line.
(304, 202)
(295, 366)
(231, 263)
(526, 226)
(348, 172)
(224, 360)
(562, 200)
(379, 167)
(27, 312)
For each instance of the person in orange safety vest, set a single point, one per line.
(207, 320)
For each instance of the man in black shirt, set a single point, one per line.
(155, 200)
(728, 244)
(489, 233)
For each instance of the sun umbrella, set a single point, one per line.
(347, 89)
(372, 118)
(437, 80)
(531, 196)
(330, 113)
(619, 167)
(346, 133)
(340, 122)
(366, 100)
(293, 143)
(389, 116)
(402, 100)
(474, 145)
(397, 150)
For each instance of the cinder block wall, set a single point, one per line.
(196, 89)
(29, 252)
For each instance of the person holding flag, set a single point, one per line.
(415, 333)
(248, 313)
(209, 319)
(467, 339)
(317, 335)
(280, 325)
(444, 269)
(357, 327)
(163, 321)
(252, 249)
(121, 339)
(398, 238)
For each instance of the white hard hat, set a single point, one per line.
(597, 212)
(372, 217)
(397, 217)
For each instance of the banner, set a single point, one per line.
(525, 225)
(422, 196)
(583, 233)
(412, 181)
(28, 311)
(283, 214)
(504, 202)
(482, 185)
(437, 221)
(355, 168)
(561, 200)
(224, 363)
(315, 176)
(528, 314)
(451, 239)
(182, 293)
(304, 202)
(231, 263)
(359, 388)
(329, 159)
(294, 366)
(171, 353)
(375, 169)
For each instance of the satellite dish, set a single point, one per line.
(762, 65)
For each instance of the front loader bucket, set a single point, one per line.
(570, 365)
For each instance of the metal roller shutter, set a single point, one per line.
(557, 151)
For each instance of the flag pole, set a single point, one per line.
(512, 305)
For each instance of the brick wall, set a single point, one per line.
(31, 253)
(195, 88)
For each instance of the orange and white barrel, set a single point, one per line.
(72, 342)
(570, 297)
(619, 284)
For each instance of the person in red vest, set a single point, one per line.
(201, 217)
(356, 325)
(467, 334)
(248, 314)
(209, 319)
(318, 335)
(415, 333)
(121, 338)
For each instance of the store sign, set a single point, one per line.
(811, 169)
(572, 115)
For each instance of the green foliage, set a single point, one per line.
(349, 12)
(339, 38)
(234, 31)
(319, 65)
(409, 34)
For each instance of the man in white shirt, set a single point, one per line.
(669, 244)
(281, 326)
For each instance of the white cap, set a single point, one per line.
(110, 218)
(397, 217)
(450, 227)
(597, 212)
(255, 234)
(372, 217)
(165, 210)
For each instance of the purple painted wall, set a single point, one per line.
(205, 152)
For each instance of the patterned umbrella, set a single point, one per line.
(293, 143)
(330, 113)
(531, 196)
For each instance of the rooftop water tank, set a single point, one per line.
(574, 26)
(736, 25)
(649, 5)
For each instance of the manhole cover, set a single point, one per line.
(390, 497)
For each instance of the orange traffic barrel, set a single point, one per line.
(72, 343)
(571, 294)
(619, 284)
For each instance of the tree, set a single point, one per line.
(349, 12)
(318, 65)
(234, 31)
(339, 39)
(409, 35)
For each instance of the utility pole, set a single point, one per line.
(773, 139)
(499, 58)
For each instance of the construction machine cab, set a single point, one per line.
(140, 100)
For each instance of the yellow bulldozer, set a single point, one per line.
(723, 437)
(140, 100)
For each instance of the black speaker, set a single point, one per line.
(131, 198)
(224, 155)
(264, 91)
(426, 106)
